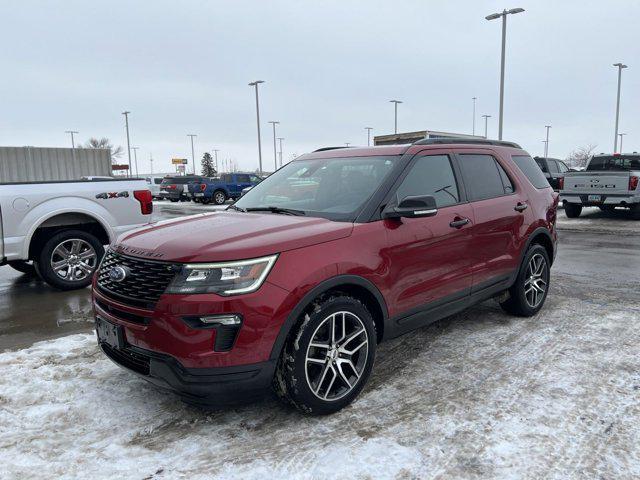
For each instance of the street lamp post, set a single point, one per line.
(255, 84)
(368, 129)
(621, 135)
(275, 152)
(126, 122)
(546, 143)
(72, 132)
(473, 132)
(151, 163)
(193, 154)
(215, 153)
(615, 138)
(486, 117)
(135, 158)
(494, 16)
(280, 153)
(395, 108)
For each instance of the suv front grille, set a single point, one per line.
(144, 283)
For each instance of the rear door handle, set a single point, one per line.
(520, 207)
(459, 223)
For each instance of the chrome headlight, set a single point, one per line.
(225, 278)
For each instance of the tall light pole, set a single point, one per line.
(126, 122)
(615, 138)
(193, 154)
(486, 117)
(255, 84)
(275, 152)
(621, 135)
(546, 143)
(135, 158)
(215, 153)
(494, 16)
(151, 163)
(368, 129)
(280, 153)
(473, 132)
(72, 132)
(395, 108)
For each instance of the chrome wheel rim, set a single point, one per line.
(336, 356)
(73, 260)
(220, 198)
(535, 285)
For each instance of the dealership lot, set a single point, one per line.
(475, 395)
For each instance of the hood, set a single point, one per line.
(223, 236)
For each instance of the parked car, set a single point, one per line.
(609, 181)
(58, 229)
(296, 283)
(553, 170)
(176, 188)
(153, 183)
(219, 190)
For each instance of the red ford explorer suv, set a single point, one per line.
(295, 285)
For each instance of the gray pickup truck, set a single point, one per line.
(609, 181)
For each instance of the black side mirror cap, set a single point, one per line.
(412, 207)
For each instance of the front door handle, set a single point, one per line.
(520, 207)
(459, 223)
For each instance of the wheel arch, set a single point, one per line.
(541, 236)
(353, 285)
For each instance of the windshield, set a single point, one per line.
(618, 162)
(333, 188)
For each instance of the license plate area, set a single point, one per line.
(594, 198)
(109, 333)
(199, 194)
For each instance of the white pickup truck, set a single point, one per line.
(58, 229)
(609, 181)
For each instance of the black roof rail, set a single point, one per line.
(324, 149)
(470, 141)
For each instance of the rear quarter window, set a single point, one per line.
(529, 167)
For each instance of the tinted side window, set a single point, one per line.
(563, 167)
(506, 181)
(157, 181)
(553, 166)
(482, 176)
(542, 164)
(242, 178)
(527, 165)
(431, 175)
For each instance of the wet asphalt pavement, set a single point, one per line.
(594, 248)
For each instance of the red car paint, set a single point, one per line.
(412, 262)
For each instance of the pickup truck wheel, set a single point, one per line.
(529, 292)
(69, 258)
(219, 197)
(328, 359)
(23, 267)
(173, 200)
(572, 210)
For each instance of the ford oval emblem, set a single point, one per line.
(118, 274)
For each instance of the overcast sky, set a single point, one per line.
(330, 68)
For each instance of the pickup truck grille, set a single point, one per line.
(142, 286)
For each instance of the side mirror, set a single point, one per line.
(412, 207)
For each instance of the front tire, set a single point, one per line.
(529, 292)
(328, 358)
(572, 210)
(69, 258)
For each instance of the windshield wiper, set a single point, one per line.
(284, 211)
(236, 208)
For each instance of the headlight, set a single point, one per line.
(227, 278)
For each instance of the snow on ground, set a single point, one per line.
(592, 219)
(480, 394)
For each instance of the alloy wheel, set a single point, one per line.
(535, 285)
(73, 259)
(336, 356)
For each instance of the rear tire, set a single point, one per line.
(529, 292)
(24, 267)
(572, 210)
(69, 259)
(219, 197)
(328, 357)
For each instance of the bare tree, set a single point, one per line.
(104, 142)
(581, 155)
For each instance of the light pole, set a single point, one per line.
(275, 152)
(395, 108)
(215, 153)
(280, 141)
(621, 135)
(255, 84)
(486, 117)
(151, 163)
(615, 138)
(546, 143)
(72, 132)
(193, 155)
(368, 129)
(347, 144)
(126, 122)
(135, 158)
(494, 16)
(473, 132)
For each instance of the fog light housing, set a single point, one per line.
(228, 320)
(226, 325)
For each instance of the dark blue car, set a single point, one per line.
(219, 190)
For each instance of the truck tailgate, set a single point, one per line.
(596, 183)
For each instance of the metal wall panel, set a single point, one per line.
(36, 164)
